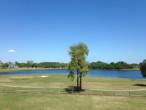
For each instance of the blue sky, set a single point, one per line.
(43, 30)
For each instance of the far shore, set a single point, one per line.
(23, 69)
(30, 69)
(118, 69)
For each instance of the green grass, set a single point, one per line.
(132, 69)
(69, 102)
(23, 69)
(56, 80)
(92, 99)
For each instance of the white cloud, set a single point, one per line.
(11, 51)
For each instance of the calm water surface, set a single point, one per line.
(130, 74)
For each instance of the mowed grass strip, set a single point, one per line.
(69, 102)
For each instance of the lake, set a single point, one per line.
(130, 74)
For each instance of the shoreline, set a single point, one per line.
(31, 69)
(24, 69)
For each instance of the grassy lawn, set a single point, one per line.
(56, 80)
(23, 69)
(132, 69)
(69, 102)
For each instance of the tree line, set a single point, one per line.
(31, 64)
(112, 66)
(93, 65)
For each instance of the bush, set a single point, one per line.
(143, 68)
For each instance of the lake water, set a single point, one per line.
(130, 74)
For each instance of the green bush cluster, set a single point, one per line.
(119, 65)
(143, 68)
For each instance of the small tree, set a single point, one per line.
(143, 68)
(1, 64)
(29, 63)
(5, 65)
(78, 65)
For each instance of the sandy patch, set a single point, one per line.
(43, 76)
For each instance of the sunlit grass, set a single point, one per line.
(56, 80)
(23, 69)
(69, 102)
(55, 99)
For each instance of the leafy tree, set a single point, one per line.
(21, 65)
(78, 65)
(111, 65)
(134, 65)
(143, 68)
(29, 63)
(16, 63)
(93, 65)
(5, 65)
(63, 65)
(34, 65)
(119, 65)
(1, 64)
(50, 64)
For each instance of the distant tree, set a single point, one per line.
(119, 65)
(143, 68)
(16, 63)
(29, 63)
(78, 65)
(35, 65)
(134, 65)
(1, 64)
(111, 65)
(21, 65)
(5, 65)
(101, 65)
(93, 65)
(63, 65)
(49, 64)
(10, 63)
